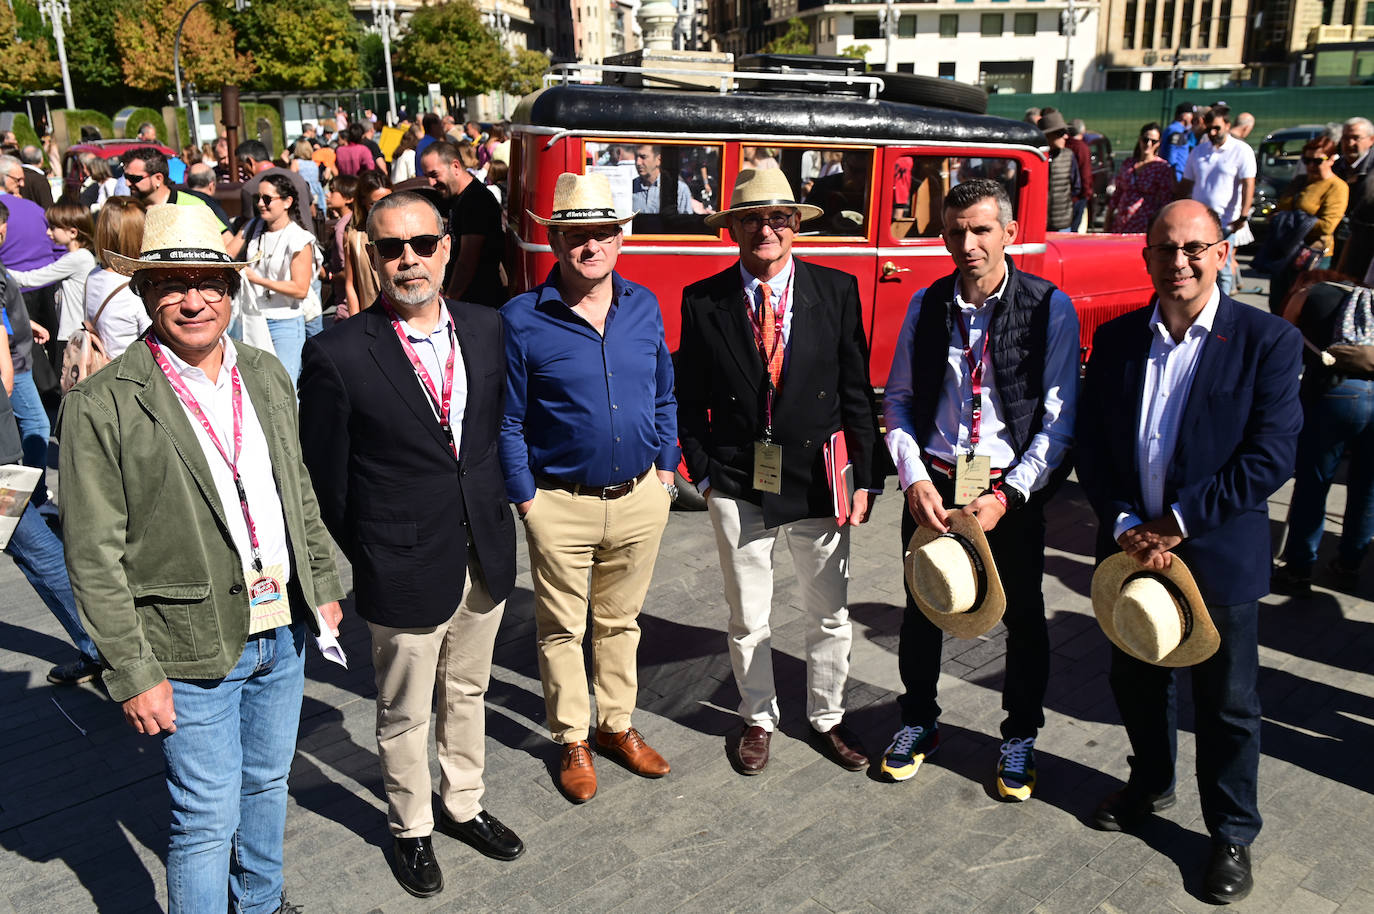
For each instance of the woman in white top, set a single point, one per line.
(277, 288)
(122, 317)
(403, 159)
(69, 226)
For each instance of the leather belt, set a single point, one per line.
(946, 469)
(606, 493)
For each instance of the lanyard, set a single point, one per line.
(440, 400)
(756, 321)
(976, 370)
(188, 399)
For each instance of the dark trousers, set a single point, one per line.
(1226, 712)
(1018, 548)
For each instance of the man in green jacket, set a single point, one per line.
(198, 560)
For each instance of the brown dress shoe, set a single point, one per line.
(629, 749)
(841, 746)
(576, 776)
(750, 753)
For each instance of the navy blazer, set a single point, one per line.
(394, 499)
(1236, 445)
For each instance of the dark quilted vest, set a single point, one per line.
(1061, 190)
(1020, 326)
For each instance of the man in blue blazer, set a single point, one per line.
(1187, 423)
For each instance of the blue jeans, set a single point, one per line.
(1078, 207)
(1226, 710)
(39, 554)
(33, 428)
(314, 326)
(227, 764)
(288, 339)
(1336, 418)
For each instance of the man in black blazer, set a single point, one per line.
(400, 411)
(1187, 423)
(773, 361)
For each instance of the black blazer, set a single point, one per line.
(389, 489)
(722, 385)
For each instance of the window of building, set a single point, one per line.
(1024, 23)
(947, 69)
(906, 67)
(1147, 30)
(998, 76)
(920, 183)
(1204, 29)
(1128, 27)
(1369, 14)
(949, 25)
(990, 25)
(1224, 26)
(641, 176)
(1328, 11)
(906, 26)
(867, 27)
(1166, 28)
(1189, 19)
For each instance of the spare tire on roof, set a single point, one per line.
(933, 92)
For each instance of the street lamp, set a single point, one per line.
(193, 121)
(500, 23)
(57, 10)
(384, 15)
(891, 16)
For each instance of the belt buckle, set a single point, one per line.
(617, 490)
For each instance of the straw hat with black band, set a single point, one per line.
(762, 188)
(1155, 616)
(581, 200)
(953, 578)
(177, 237)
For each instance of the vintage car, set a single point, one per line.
(864, 148)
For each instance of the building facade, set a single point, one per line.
(1198, 44)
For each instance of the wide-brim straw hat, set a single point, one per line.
(953, 578)
(1155, 616)
(762, 188)
(177, 237)
(1052, 123)
(582, 200)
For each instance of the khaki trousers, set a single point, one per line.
(409, 662)
(586, 550)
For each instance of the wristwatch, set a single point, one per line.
(671, 489)
(1013, 495)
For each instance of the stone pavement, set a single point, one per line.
(83, 810)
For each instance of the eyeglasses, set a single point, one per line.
(173, 291)
(1193, 250)
(136, 179)
(422, 245)
(17, 177)
(1314, 160)
(1150, 140)
(266, 199)
(775, 221)
(600, 236)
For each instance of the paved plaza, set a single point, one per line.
(83, 808)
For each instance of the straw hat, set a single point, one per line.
(1052, 123)
(177, 237)
(582, 200)
(1155, 616)
(953, 578)
(761, 188)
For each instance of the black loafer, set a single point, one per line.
(1228, 874)
(485, 834)
(1128, 807)
(412, 860)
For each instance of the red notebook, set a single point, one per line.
(839, 472)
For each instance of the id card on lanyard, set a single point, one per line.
(767, 455)
(440, 398)
(972, 472)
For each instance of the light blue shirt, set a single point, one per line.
(432, 349)
(645, 198)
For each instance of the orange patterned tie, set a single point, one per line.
(771, 350)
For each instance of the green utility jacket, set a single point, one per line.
(156, 576)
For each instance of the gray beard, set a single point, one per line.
(412, 299)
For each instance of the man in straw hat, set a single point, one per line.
(199, 561)
(979, 406)
(400, 412)
(589, 445)
(1188, 422)
(773, 362)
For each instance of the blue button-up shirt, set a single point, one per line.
(591, 409)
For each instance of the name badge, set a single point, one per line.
(972, 475)
(767, 467)
(268, 606)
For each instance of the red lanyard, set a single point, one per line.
(189, 400)
(756, 321)
(441, 400)
(976, 370)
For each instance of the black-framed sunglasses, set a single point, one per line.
(1193, 250)
(173, 291)
(1150, 140)
(136, 179)
(1314, 160)
(265, 199)
(422, 245)
(775, 221)
(600, 236)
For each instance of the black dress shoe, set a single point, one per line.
(412, 860)
(1128, 807)
(1228, 874)
(485, 833)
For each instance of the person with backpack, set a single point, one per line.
(1336, 318)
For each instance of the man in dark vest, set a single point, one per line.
(1066, 178)
(979, 409)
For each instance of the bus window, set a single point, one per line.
(642, 182)
(836, 180)
(919, 185)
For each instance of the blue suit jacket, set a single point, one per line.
(1237, 442)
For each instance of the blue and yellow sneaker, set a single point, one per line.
(909, 749)
(1016, 769)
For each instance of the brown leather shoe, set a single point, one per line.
(841, 746)
(576, 776)
(629, 749)
(750, 753)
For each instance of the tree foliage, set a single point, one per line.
(25, 65)
(527, 69)
(448, 43)
(94, 59)
(796, 40)
(145, 32)
(303, 44)
(857, 51)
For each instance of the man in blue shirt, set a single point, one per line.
(588, 446)
(1179, 138)
(646, 191)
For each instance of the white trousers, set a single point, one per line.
(820, 555)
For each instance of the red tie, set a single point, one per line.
(771, 350)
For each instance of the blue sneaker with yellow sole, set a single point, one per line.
(910, 746)
(1016, 769)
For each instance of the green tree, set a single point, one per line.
(146, 30)
(27, 63)
(796, 40)
(94, 59)
(526, 74)
(447, 43)
(857, 51)
(372, 59)
(304, 44)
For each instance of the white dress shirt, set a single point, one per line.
(1169, 376)
(432, 349)
(780, 287)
